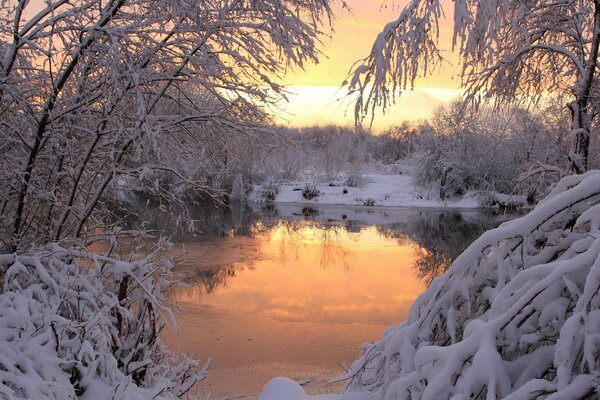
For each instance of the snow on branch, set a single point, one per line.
(406, 48)
(77, 324)
(515, 317)
(91, 88)
(508, 50)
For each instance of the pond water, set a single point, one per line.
(295, 291)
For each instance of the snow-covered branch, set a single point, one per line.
(73, 324)
(85, 88)
(510, 52)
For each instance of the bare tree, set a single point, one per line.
(511, 51)
(88, 89)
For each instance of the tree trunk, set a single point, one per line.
(581, 112)
(580, 137)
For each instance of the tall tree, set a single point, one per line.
(88, 89)
(510, 51)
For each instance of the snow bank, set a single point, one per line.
(78, 325)
(517, 315)
(374, 190)
(282, 388)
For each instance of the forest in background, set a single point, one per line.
(512, 151)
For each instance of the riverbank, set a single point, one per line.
(374, 190)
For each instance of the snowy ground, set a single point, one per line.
(375, 190)
(286, 389)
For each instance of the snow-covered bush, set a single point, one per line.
(517, 316)
(397, 168)
(310, 191)
(370, 202)
(500, 200)
(76, 324)
(486, 150)
(354, 180)
(269, 190)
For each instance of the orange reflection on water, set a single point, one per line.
(299, 300)
(325, 275)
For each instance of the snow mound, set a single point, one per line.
(282, 388)
(516, 317)
(79, 325)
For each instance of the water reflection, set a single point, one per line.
(296, 292)
(311, 272)
(332, 271)
(438, 237)
(441, 237)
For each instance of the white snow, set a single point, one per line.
(66, 331)
(377, 190)
(282, 388)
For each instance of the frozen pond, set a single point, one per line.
(295, 291)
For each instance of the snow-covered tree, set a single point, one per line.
(464, 149)
(511, 51)
(88, 89)
(98, 92)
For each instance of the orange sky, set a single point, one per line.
(317, 95)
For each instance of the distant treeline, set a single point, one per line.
(511, 151)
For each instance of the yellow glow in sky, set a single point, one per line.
(316, 96)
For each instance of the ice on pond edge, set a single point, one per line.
(282, 388)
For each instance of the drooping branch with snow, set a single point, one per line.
(74, 324)
(510, 51)
(91, 91)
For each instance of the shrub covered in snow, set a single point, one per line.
(354, 180)
(310, 191)
(75, 324)
(464, 149)
(517, 316)
(370, 202)
(269, 190)
(500, 200)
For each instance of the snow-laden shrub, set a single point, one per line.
(269, 190)
(79, 325)
(500, 200)
(354, 180)
(400, 167)
(310, 191)
(517, 315)
(370, 202)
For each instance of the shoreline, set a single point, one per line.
(379, 191)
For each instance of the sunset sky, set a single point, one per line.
(317, 97)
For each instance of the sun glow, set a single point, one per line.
(316, 95)
(320, 105)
